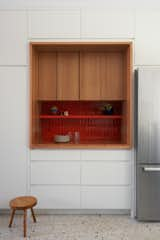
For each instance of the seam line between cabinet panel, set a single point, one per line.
(88, 161)
(80, 179)
(56, 161)
(81, 23)
(28, 45)
(14, 65)
(83, 185)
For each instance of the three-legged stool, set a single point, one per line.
(23, 203)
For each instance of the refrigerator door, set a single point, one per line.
(148, 118)
(148, 193)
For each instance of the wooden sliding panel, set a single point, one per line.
(90, 71)
(47, 76)
(68, 76)
(112, 76)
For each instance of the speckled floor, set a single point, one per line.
(80, 227)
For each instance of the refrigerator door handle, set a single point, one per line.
(151, 169)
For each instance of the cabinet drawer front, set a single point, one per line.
(117, 155)
(55, 173)
(54, 23)
(106, 197)
(102, 173)
(55, 155)
(57, 197)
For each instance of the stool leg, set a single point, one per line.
(33, 215)
(25, 222)
(12, 216)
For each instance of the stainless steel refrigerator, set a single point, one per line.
(147, 126)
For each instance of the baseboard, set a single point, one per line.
(74, 211)
(8, 211)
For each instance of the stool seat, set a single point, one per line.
(21, 203)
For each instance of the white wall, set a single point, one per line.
(100, 179)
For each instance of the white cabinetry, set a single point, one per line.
(57, 197)
(104, 23)
(57, 23)
(147, 47)
(81, 179)
(55, 173)
(105, 179)
(106, 173)
(55, 178)
(55, 155)
(13, 128)
(105, 197)
(13, 38)
(106, 155)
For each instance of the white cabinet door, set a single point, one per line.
(106, 197)
(147, 47)
(54, 155)
(104, 23)
(55, 173)
(13, 127)
(13, 39)
(56, 23)
(109, 155)
(57, 197)
(106, 173)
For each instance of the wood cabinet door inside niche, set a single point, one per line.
(47, 76)
(68, 76)
(102, 76)
(90, 71)
(112, 76)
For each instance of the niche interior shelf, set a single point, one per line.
(81, 117)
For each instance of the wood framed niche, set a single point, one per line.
(81, 78)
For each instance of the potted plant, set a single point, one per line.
(108, 109)
(54, 110)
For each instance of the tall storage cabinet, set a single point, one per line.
(81, 78)
(13, 150)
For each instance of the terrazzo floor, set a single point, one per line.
(80, 227)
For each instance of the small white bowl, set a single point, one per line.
(62, 138)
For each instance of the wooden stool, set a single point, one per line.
(23, 203)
